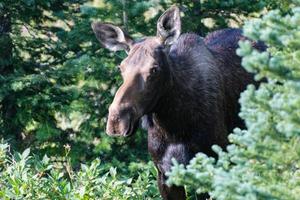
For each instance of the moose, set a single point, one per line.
(184, 89)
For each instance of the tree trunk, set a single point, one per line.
(197, 7)
(125, 18)
(198, 16)
(8, 106)
(5, 43)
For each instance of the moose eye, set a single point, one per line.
(154, 69)
(118, 67)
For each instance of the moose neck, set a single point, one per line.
(183, 108)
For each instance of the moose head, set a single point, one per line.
(144, 75)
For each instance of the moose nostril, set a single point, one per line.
(115, 118)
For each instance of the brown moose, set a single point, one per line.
(186, 89)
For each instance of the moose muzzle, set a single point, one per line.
(120, 122)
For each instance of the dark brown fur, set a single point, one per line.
(201, 106)
(186, 87)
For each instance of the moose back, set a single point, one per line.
(186, 89)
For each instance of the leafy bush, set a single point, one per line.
(263, 161)
(24, 176)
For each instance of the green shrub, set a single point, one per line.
(25, 176)
(263, 161)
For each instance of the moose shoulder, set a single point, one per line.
(186, 87)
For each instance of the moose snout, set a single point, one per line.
(120, 122)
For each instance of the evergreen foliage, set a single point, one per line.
(263, 161)
(57, 82)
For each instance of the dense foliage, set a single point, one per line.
(56, 83)
(263, 161)
(23, 176)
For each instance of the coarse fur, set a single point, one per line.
(185, 87)
(201, 105)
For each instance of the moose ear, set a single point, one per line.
(169, 25)
(112, 37)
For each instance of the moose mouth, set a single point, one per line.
(132, 127)
(125, 126)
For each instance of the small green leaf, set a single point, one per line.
(113, 172)
(26, 153)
